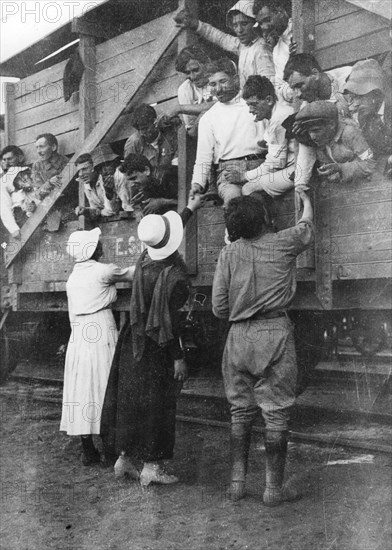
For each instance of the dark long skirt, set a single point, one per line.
(139, 410)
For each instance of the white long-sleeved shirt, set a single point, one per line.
(227, 131)
(255, 58)
(189, 94)
(281, 51)
(280, 151)
(91, 286)
(123, 189)
(97, 198)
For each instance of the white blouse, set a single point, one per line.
(91, 286)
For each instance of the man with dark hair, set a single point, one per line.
(100, 204)
(11, 155)
(155, 192)
(254, 283)
(254, 56)
(276, 27)
(273, 176)
(310, 83)
(46, 171)
(228, 136)
(156, 140)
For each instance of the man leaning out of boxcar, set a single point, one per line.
(366, 92)
(338, 145)
(46, 171)
(100, 204)
(154, 191)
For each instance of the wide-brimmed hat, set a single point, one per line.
(81, 245)
(161, 234)
(365, 77)
(103, 153)
(317, 112)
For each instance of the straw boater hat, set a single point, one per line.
(365, 77)
(103, 153)
(81, 245)
(161, 234)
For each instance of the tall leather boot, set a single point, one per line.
(90, 454)
(276, 452)
(239, 445)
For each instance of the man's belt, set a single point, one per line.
(261, 156)
(261, 315)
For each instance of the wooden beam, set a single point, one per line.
(89, 28)
(87, 89)
(186, 159)
(92, 141)
(10, 90)
(304, 25)
(87, 100)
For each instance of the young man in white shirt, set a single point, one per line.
(273, 176)
(94, 189)
(254, 55)
(276, 28)
(228, 135)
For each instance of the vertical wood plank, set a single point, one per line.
(186, 159)
(87, 101)
(10, 90)
(88, 92)
(304, 24)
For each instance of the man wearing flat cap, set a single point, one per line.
(339, 147)
(365, 94)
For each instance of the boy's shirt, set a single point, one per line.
(189, 94)
(161, 152)
(226, 132)
(97, 198)
(280, 150)
(348, 148)
(255, 58)
(43, 170)
(164, 185)
(259, 275)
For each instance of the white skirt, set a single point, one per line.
(87, 366)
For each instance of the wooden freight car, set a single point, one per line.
(128, 49)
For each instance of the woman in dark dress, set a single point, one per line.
(138, 418)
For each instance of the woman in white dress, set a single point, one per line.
(91, 291)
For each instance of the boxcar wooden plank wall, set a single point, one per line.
(345, 34)
(121, 63)
(40, 107)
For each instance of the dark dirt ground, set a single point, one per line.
(50, 501)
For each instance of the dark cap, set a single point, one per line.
(317, 112)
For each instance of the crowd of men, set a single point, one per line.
(267, 125)
(273, 123)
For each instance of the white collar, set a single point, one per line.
(287, 35)
(382, 110)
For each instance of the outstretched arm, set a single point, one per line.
(186, 20)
